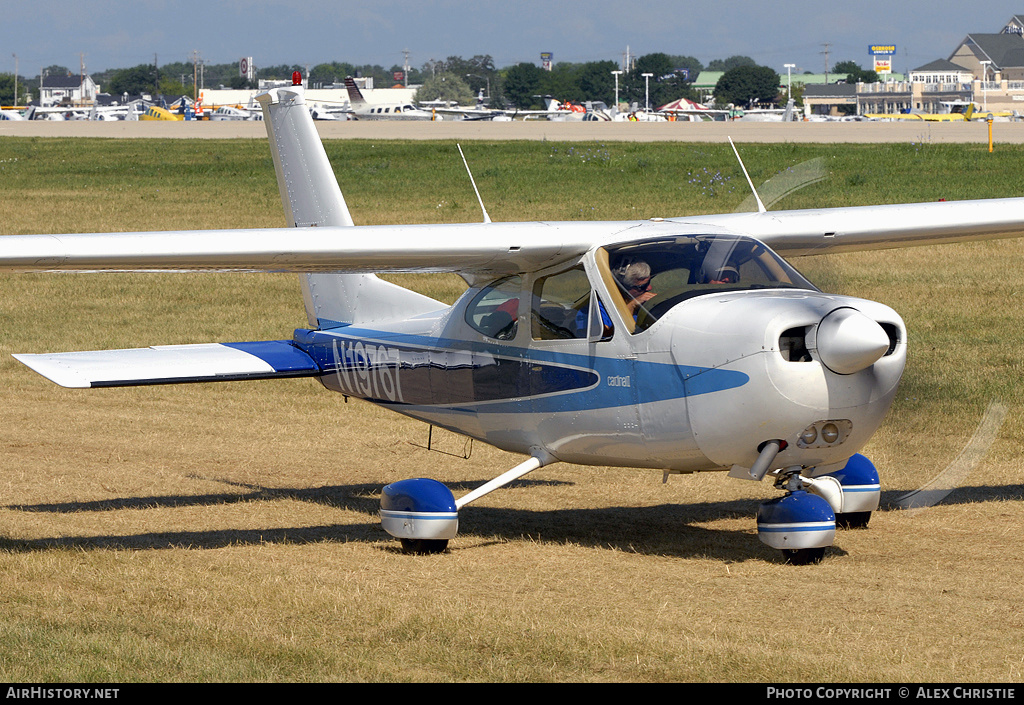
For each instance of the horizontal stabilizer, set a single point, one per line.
(174, 364)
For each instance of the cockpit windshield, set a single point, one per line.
(653, 276)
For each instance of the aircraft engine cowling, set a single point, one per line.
(822, 372)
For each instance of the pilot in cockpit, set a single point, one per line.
(635, 280)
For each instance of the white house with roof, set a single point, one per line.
(67, 90)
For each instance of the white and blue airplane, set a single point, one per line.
(684, 344)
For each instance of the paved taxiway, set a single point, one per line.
(816, 132)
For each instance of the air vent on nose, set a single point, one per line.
(793, 345)
(893, 331)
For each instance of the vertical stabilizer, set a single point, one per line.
(312, 198)
(309, 189)
(355, 96)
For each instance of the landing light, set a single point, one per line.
(824, 433)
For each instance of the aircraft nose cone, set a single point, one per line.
(849, 341)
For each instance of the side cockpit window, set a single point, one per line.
(495, 310)
(561, 305)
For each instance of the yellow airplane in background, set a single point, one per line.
(964, 116)
(155, 113)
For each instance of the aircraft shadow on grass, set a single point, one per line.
(665, 529)
(662, 529)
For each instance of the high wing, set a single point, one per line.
(503, 248)
(465, 248)
(829, 230)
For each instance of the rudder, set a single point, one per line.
(312, 198)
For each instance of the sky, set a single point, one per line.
(125, 33)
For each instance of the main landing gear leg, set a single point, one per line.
(424, 515)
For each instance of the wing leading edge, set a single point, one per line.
(827, 230)
(174, 364)
(503, 248)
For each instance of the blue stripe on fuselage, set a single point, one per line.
(479, 377)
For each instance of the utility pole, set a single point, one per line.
(828, 48)
(81, 79)
(195, 74)
(15, 80)
(405, 68)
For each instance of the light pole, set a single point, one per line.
(789, 80)
(616, 74)
(647, 91)
(984, 82)
(15, 80)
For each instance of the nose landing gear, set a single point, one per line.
(802, 524)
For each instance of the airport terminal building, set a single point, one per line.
(986, 69)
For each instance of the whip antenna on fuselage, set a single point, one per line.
(487, 218)
(760, 206)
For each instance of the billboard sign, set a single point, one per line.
(882, 56)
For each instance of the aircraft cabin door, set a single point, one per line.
(581, 394)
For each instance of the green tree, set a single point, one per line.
(134, 81)
(731, 63)
(746, 85)
(281, 72)
(445, 86)
(522, 83)
(689, 65)
(239, 82)
(478, 72)
(854, 73)
(562, 82)
(597, 82)
(663, 85)
(333, 72)
(7, 83)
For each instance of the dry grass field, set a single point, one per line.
(228, 532)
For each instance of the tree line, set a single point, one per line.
(523, 85)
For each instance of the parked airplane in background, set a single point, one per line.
(231, 113)
(460, 112)
(383, 111)
(964, 114)
(154, 112)
(683, 344)
(787, 114)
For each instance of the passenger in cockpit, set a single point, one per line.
(726, 274)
